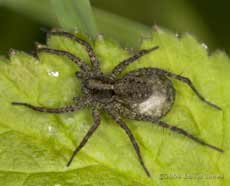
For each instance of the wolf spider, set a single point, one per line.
(145, 94)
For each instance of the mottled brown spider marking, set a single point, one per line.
(145, 94)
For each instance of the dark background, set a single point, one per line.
(20, 31)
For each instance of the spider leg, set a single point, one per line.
(122, 65)
(83, 66)
(123, 125)
(190, 84)
(145, 71)
(70, 108)
(82, 42)
(177, 130)
(96, 118)
(187, 134)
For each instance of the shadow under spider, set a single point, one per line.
(145, 94)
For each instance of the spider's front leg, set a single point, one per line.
(79, 62)
(89, 49)
(123, 125)
(122, 65)
(71, 108)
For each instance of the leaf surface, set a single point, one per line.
(34, 147)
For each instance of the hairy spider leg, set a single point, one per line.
(122, 65)
(190, 84)
(145, 71)
(176, 129)
(92, 129)
(70, 108)
(187, 134)
(89, 49)
(83, 66)
(123, 125)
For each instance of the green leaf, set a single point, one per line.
(121, 29)
(75, 15)
(34, 147)
(182, 17)
(78, 15)
(38, 10)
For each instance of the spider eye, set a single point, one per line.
(79, 75)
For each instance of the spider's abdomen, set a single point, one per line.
(151, 95)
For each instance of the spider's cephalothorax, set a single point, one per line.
(146, 94)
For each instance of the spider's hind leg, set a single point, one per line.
(177, 130)
(187, 134)
(150, 71)
(191, 85)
